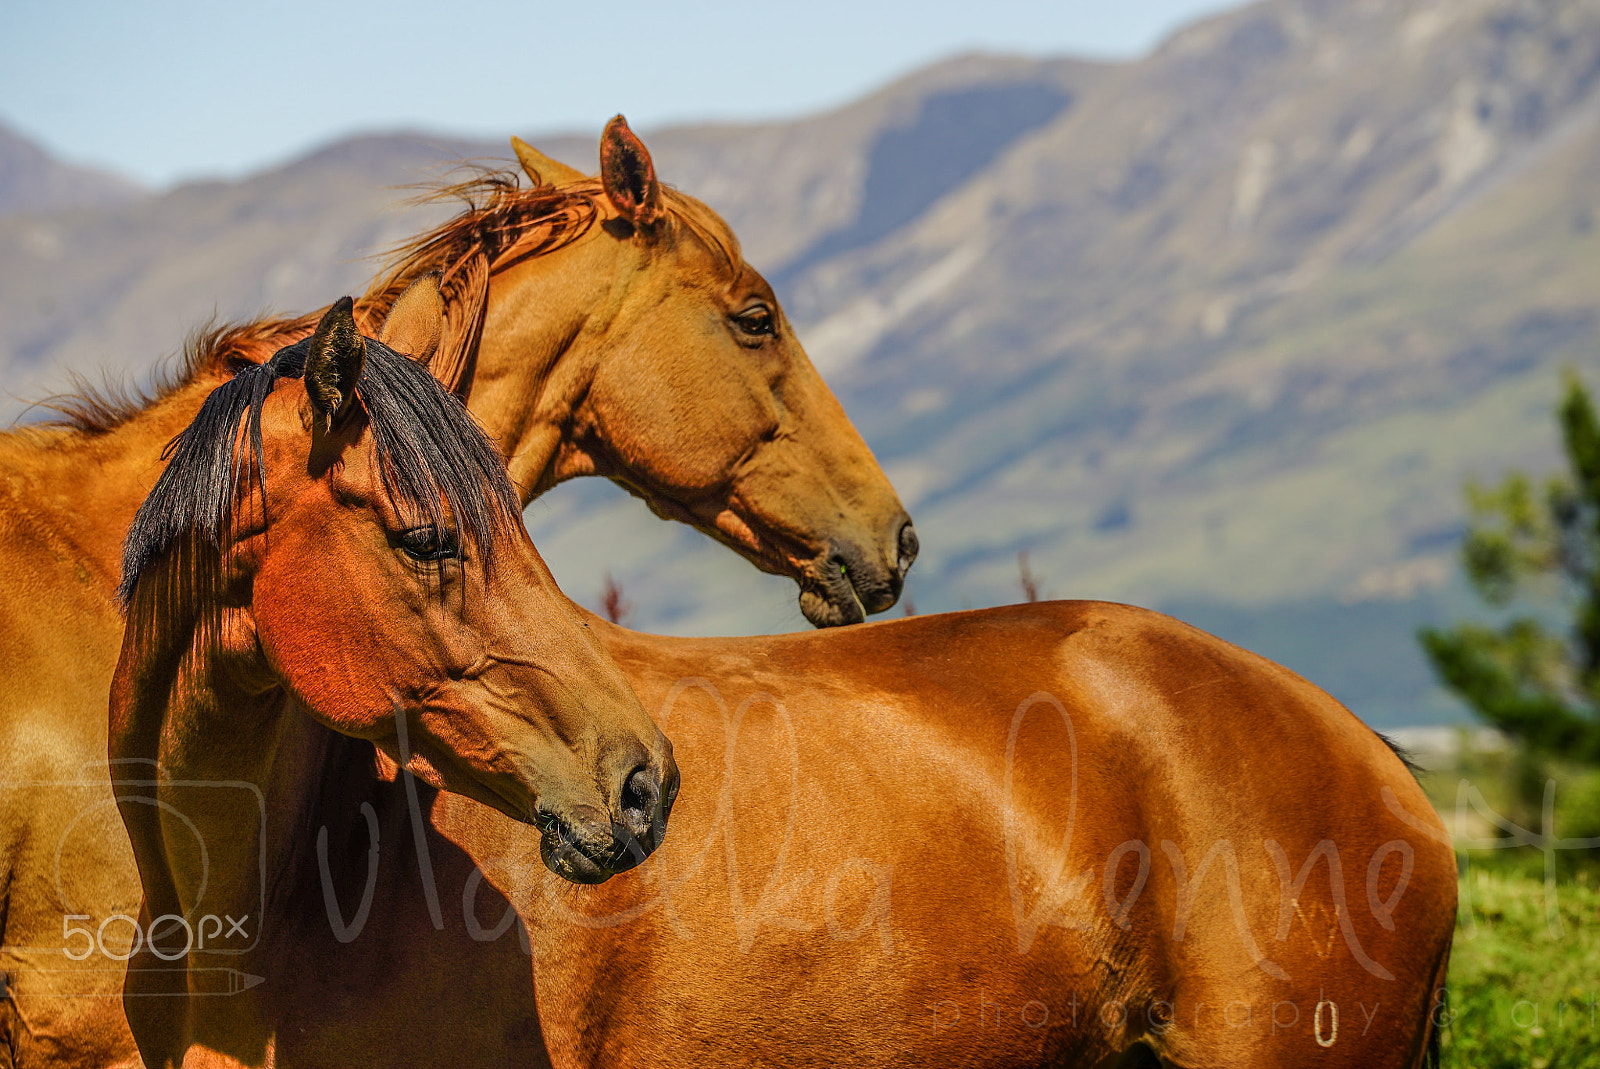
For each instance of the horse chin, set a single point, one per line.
(570, 863)
(842, 589)
(825, 609)
(580, 858)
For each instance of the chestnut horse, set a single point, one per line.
(1064, 833)
(380, 588)
(595, 326)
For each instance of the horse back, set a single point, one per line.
(1062, 829)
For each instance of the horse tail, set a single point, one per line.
(9, 1025)
(1436, 1014)
(1405, 755)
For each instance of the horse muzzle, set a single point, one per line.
(847, 582)
(585, 846)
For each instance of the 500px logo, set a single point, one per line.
(82, 942)
(91, 841)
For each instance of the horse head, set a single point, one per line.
(681, 379)
(346, 543)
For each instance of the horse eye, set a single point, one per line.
(429, 544)
(756, 321)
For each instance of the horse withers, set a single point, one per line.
(331, 565)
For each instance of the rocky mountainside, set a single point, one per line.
(1220, 330)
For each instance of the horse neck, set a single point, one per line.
(537, 357)
(80, 489)
(200, 735)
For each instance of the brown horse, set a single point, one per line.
(380, 588)
(595, 326)
(1055, 834)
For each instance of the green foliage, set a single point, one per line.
(1541, 544)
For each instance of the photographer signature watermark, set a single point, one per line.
(852, 898)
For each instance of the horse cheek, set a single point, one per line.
(321, 642)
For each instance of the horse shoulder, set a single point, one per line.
(60, 836)
(60, 630)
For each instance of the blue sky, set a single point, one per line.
(174, 89)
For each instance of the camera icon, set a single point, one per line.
(96, 883)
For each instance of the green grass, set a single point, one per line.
(1524, 994)
(1525, 970)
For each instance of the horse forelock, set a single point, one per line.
(432, 457)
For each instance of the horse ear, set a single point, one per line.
(416, 321)
(628, 175)
(333, 364)
(541, 168)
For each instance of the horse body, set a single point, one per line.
(1023, 836)
(1050, 834)
(549, 380)
(1035, 835)
(63, 855)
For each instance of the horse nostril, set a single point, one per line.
(642, 823)
(640, 796)
(670, 787)
(908, 548)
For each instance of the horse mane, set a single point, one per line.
(498, 216)
(91, 408)
(430, 450)
(501, 224)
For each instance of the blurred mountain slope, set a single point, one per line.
(33, 181)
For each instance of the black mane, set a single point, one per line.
(429, 448)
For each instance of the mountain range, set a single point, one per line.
(1220, 330)
(33, 181)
